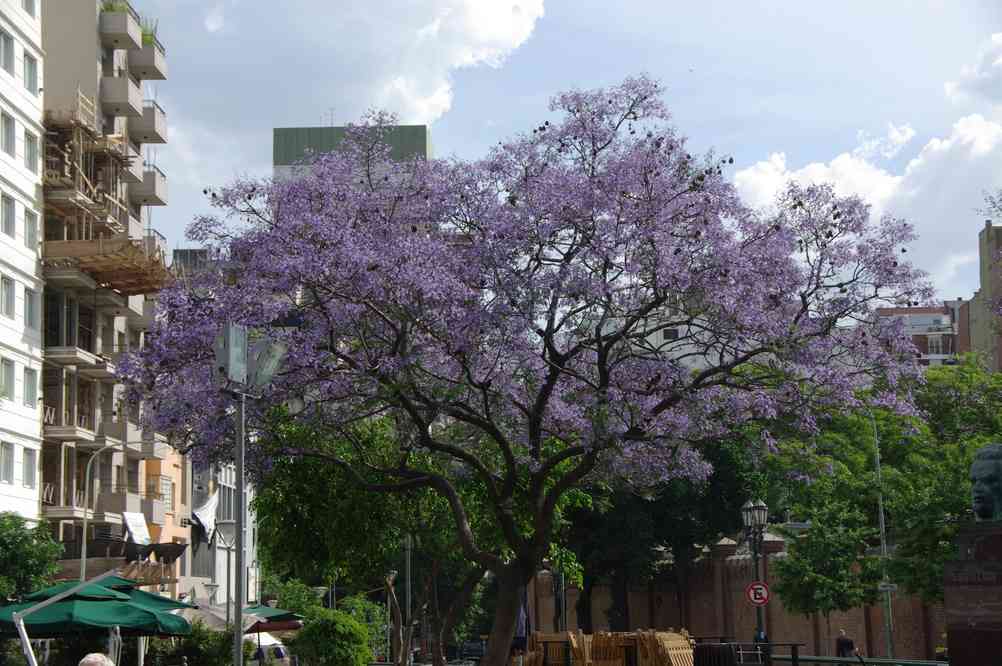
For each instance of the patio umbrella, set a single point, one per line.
(141, 597)
(272, 619)
(92, 608)
(213, 617)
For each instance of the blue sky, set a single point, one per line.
(897, 100)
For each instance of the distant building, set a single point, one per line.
(934, 330)
(293, 145)
(984, 321)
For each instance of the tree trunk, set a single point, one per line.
(584, 604)
(619, 614)
(828, 632)
(397, 651)
(452, 614)
(510, 581)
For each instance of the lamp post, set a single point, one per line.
(83, 544)
(888, 609)
(755, 516)
(226, 531)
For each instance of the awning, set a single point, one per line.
(136, 525)
(206, 515)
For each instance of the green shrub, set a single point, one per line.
(332, 638)
(202, 646)
(111, 6)
(369, 613)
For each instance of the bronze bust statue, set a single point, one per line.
(986, 483)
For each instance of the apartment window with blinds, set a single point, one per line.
(29, 7)
(30, 388)
(30, 74)
(7, 133)
(7, 296)
(7, 377)
(7, 52)
(6, 462)
(29, 465)
(30, 151)
(31, 309)
(7, 212)
(31, 230)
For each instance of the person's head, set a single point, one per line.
(986, 483)
(841, 632)
(96, 659)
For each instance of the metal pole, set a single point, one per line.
(759, 621)
(229, 583)
(238, 637)
(408, 544)
(83, 545)
(888, 620)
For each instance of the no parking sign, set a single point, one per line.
(757, 593)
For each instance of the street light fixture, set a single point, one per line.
(755, 516)
(227, 532)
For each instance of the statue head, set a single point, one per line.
(986, 483)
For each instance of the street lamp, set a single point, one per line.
(227, 530)
(90, 461)
(755, 516)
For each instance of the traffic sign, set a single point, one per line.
(884, 586)
(757, 593)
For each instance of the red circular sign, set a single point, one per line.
(757, 593)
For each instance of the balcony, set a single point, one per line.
(120, 499)
(120, 263)
(152, 191)
(70, 356)
(154, 445)
(151, 127)
(63, 427)
(133, 169)
(121, 96)
(100, 508)
(150, 61)
(120, 27)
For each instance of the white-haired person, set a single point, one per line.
(96, 659)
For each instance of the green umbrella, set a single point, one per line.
(141, 597)
(94, 607)
(272, 614)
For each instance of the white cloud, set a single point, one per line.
(983, 79)
(888, 146)
(938, 191)
(215, 18)
(447, 36)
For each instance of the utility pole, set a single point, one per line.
(888, 619)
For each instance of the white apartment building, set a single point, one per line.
(21, 132)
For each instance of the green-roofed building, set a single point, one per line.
(293, 145)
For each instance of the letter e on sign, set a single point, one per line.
(757, 593)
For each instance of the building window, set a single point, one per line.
(30, 74)
(7, 215)
(29, 465)
(31, 230)
(7, 52)
(31, 309)
(935, 344)
(7, 376)
(6, 462)
(7, 134)
(669, 334)
(7, 296)
(30, 388)
(29, 7)
(31, 151)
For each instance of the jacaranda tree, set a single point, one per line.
(588, 299)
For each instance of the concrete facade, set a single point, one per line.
(102, 261)
(21, 132)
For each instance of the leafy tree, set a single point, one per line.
(332, 638)
(588, 299)
(28, 556)
(827, 568)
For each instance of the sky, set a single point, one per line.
(899, 101)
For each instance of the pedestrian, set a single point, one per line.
(844, 647)
(96, 659)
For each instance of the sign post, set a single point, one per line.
(757, 593)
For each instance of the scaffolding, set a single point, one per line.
(87, 215)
